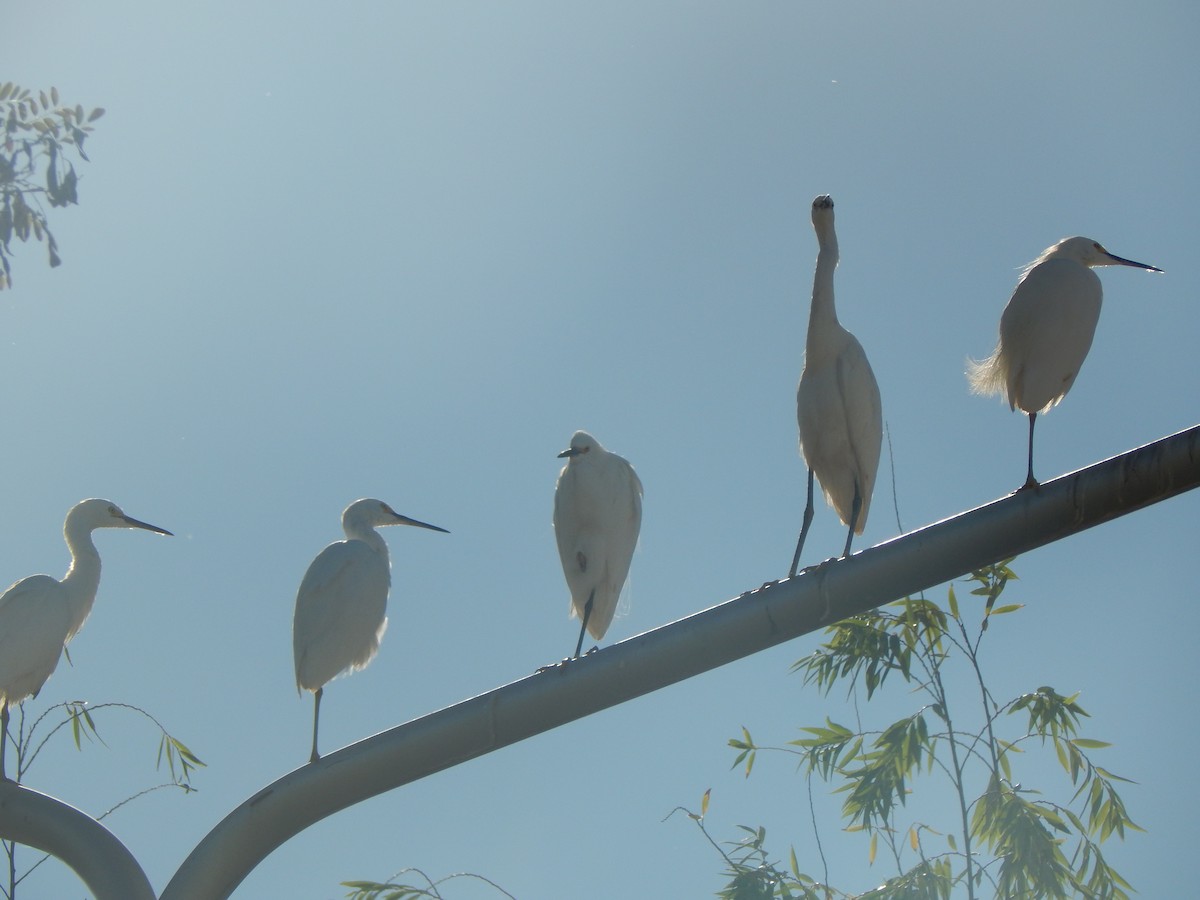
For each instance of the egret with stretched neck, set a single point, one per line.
(837, 402)
(341, 607)
(1046, 330)
(39, 614)
(597, 518)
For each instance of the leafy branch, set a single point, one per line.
(1006, 835)
(40, 134)
(33, 736)
(373, 890)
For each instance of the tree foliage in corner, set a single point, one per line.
(40, 136)
(28, 737)
(1001, 838)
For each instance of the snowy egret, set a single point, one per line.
(1046, 330)
(342, 602)
(837, 402)
(597, 517)
(39, 614)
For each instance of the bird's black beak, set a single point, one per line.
(1129, 262)
(405, 520)
(570, 451)
(137, 523)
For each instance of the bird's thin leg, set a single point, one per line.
(1030, 481)
(3, 739)
(808, 515)
(855, 509)
(587, 614)
(316, 718)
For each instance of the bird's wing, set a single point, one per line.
(627, 516)
(619, 517)
(575, 532)
(864, 421)
(34, 620)
(1046, 331)
(566, 521)
(341, 610)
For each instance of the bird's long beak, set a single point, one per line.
(1122, 261)
(570, 451)
(137, 523)
(405, 520)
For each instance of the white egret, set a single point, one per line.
(837, 402)
(39, 614)
(1046, 330)
(341, 607)
(597, 517)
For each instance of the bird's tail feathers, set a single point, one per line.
(987, 376)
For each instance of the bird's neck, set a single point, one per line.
(822, 316)
(82, 578)
(370, 537)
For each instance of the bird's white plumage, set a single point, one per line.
(597, 518)
(341, 612)
(39, 614)
(341, 606)
(1046, 330)
(838, 407)
(34, 623)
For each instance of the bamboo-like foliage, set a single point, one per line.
(1001, 837)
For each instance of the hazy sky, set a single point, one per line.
(404, 250)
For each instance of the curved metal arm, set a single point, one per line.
(103, 862)
(758, 619)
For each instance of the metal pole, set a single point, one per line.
(754, 621)
(98, 858)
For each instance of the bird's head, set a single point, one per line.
(582, 443)
(1090, 253)
(96, 513)
(375, 513)
(822, 209)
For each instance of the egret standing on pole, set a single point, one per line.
(39, 614)
(837, 402)
(1046, 330)
(597, 517)
(341, 607)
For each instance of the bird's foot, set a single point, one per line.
(764, 585)
(817, 566)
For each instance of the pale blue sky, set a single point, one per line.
(405, 250)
